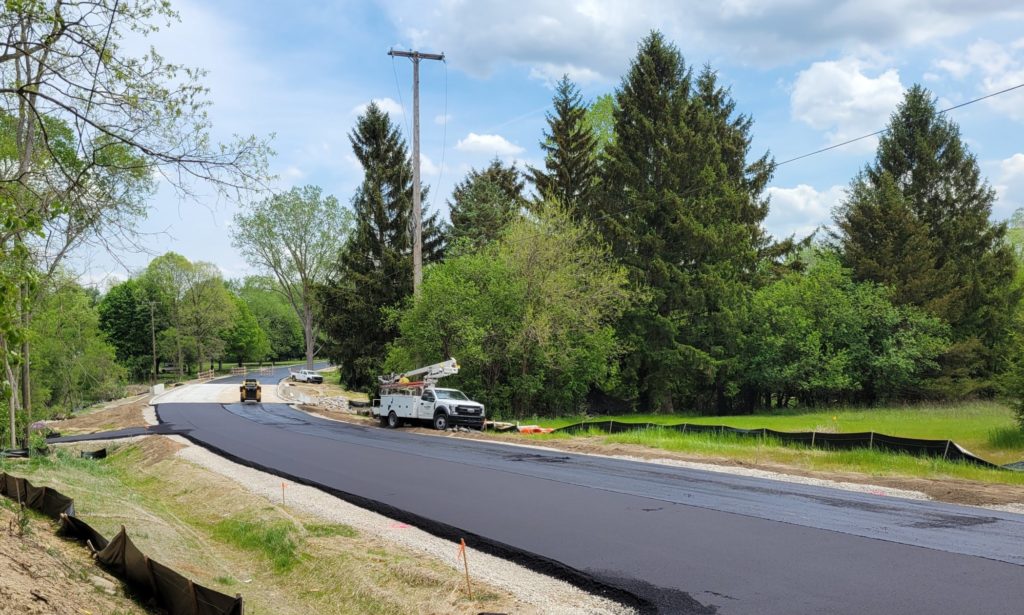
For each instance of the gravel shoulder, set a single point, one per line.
(530, 592)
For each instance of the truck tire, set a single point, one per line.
(393, 421)
(440, 420)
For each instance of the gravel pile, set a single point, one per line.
(333, 404)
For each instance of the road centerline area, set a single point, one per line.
(731, 543)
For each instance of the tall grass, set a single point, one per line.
(759, 449)
(274, 539)
(970, 424)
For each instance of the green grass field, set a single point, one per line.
(987, 429)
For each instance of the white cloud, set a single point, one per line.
(1009, 187)
(293, 173)
(441, 120)
(839, 98)
(387, 105)
(800, 210)
(429, 171)
(594, 39)
(492, 145)
(997, 68)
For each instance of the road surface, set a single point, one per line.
(676, 540)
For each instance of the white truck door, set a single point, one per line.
(426, 406)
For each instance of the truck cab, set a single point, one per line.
(450, 408)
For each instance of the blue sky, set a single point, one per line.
(810, 73)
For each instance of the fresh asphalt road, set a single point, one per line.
(679, 540)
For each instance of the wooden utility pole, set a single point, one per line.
(417, 216)
(152, 333)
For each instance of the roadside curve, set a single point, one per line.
(679, 540)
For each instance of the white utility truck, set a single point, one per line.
(413, 396)
(307, 375)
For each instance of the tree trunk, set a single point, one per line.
(307, 330)
(26, 362)
(13, 400)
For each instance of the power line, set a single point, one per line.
(444, 135)
(884, 130)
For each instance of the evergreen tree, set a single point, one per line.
(570, 146)
(682, 209)
(963, 270)
(485, 202)
(374, 270)
(888, 243)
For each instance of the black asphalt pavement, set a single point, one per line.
(677, 540)
(276, 374)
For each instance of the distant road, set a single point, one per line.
(277, 374)
(679, 540)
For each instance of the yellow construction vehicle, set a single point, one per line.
(251, 391)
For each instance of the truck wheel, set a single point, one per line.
(440, 421)
(392, 420)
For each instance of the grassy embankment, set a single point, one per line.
(987, 429)
(213, 531)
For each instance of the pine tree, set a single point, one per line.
(969, 281)
(888, 243)
(374, 269)
(682, 209)
(570, 146)
(485, 202)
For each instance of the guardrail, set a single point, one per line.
(266, 371)
(205, 375)
(239, 371)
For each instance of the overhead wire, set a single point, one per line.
(886, 129)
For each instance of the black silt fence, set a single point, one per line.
(172, 592)
(942, 449)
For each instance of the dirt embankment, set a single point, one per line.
(118, 414)
(44, 574)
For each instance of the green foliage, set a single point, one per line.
(295, 236)
(244, 340)
(373, 273)
(819, 337)
(600, 119)
(528, 318)
(570, 147)
(918, 220)
(125, 319)
(682, 209)
(195, 307)
(275, 316)
(484, 203)
(73, 365)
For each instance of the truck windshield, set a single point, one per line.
(450, 394)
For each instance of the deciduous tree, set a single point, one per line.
(295, 236)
